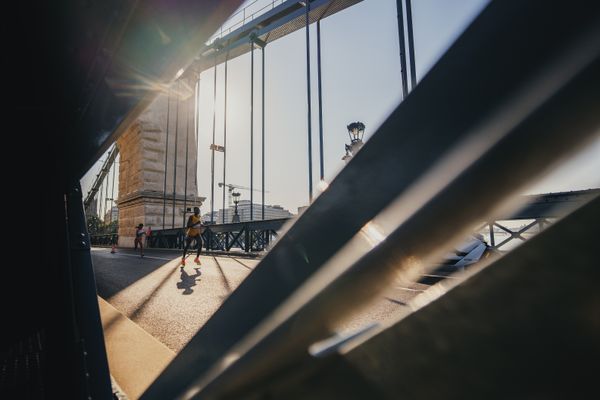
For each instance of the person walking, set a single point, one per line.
(194, 232)
(139, 239)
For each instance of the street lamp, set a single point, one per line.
(236, 200)
(356, 131)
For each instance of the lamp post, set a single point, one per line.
(236, 200)
(356, 131)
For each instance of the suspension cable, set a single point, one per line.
(166, 158)
(178, 93)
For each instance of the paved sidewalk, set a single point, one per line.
(169, 302)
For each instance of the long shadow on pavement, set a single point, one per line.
(222, 276)
(115, 272)
(188, 281)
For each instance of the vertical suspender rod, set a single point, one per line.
(187, 141)
(224, 140)
(212, 151)
(263, 132)
(166, 158)
(402, 48)
(175, 156)
(309, 116)
(321, 160)
(411, 46)
(252, 131)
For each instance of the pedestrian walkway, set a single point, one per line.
(172, 303)
(169, 302)
(151, 307)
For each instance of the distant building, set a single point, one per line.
(271, 212)
(206, 217)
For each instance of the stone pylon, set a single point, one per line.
(151, 151)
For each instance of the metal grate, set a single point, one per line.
(22, 368)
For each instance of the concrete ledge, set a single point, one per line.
(135, 358)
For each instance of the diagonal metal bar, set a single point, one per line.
(515, 235)
(488, 337)
(236, 238)
(412, 249)
(520, 232)
(460, 109)
(110, 159)
(502, 243)
(505, 229)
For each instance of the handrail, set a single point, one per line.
(221, 32)
(251, 236)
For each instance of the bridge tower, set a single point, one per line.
(152, 167)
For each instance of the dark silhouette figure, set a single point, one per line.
(188, 281)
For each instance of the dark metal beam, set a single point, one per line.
(552, 205)
(518, 327)
(420, 239)
(457, 106)
(86, 324)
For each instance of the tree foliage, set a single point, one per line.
(96, 226)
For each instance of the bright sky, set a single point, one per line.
(361, 82)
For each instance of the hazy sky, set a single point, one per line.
(361, 82)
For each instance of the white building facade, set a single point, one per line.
(271, 212)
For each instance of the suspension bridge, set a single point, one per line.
(372, 296)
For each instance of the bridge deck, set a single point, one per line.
(282, 20)
(171, 303)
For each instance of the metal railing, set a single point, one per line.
(245, 16)
(538, 212)
(246, 236)
(107, 239)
